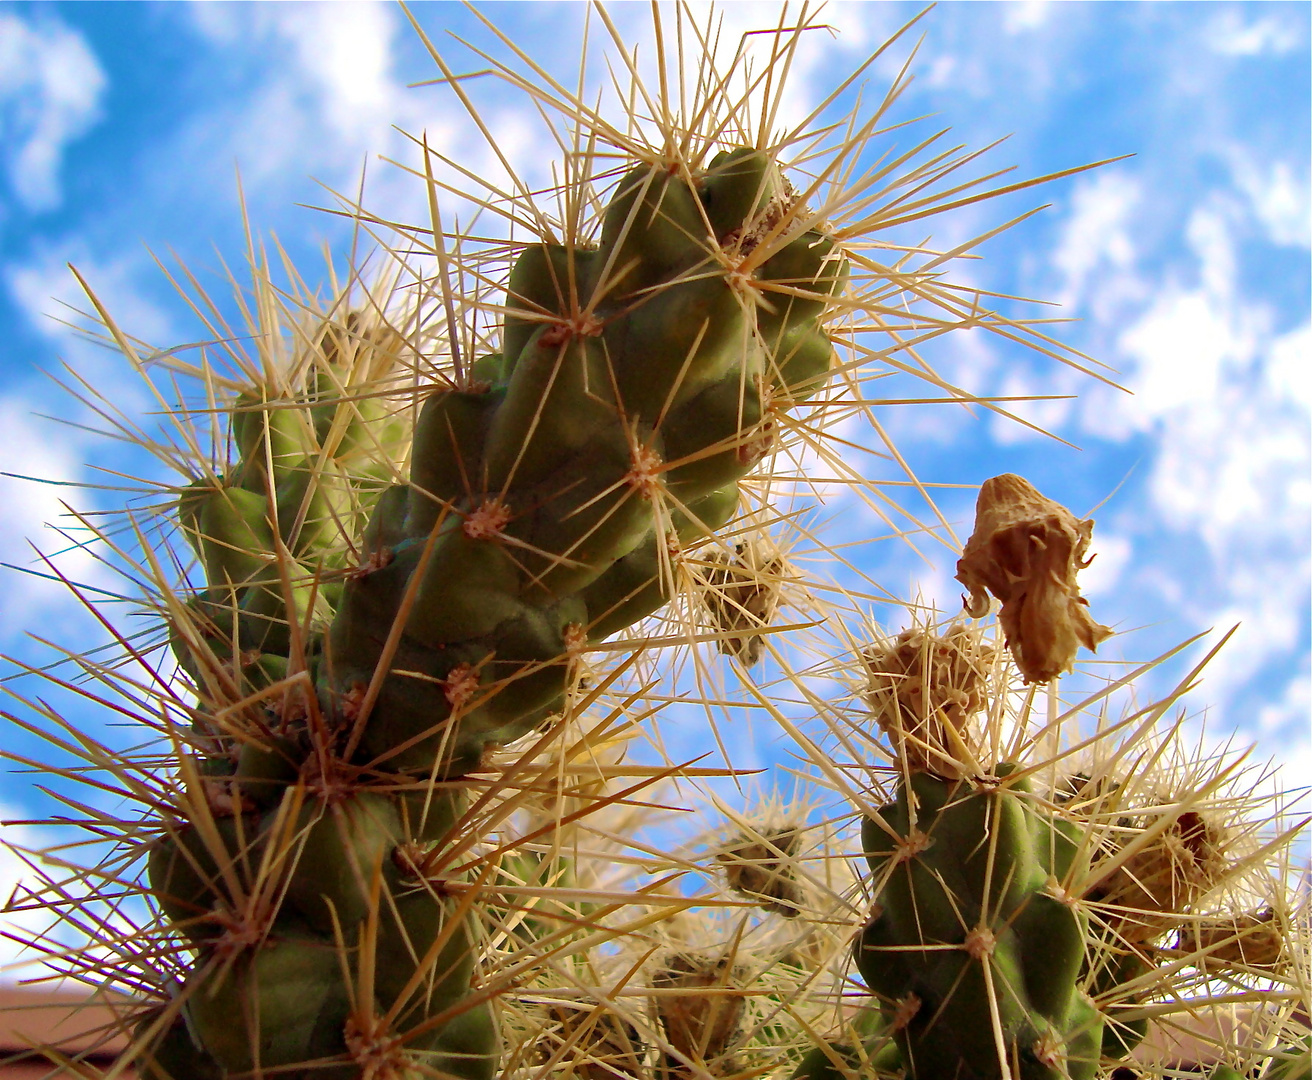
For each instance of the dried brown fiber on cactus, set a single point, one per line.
(701, 1012)
(1177, 858)
(598, 1044)
(759, 868)
(1252, 939)
(742, 595)
(1027, 550)
(923, 689)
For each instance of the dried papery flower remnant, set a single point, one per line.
(1027, 550)
(1162, 879)
(742, 595)
(760, 867)
(923, 689)
(1251, 939)
(604, 1046)
(703, 1023)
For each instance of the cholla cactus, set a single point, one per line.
(438, 554)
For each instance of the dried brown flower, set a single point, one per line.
(742, 595)
(604, 1046)
(761, 870)
(1253, 940)
(703, 1023)
(1026, 550)
(923, 688)
(1165, 877)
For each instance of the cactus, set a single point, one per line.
(1014, 930)
(468, 532)
(974, 951)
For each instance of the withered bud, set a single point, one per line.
(742, 595)
(1027, 550)
(1249, 939)
(703, 1023)
(761, 870)
(1161, 880)
(923, 688)
(603, 1046)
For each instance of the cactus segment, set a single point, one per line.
(543, 281)
(447, 457)
(389, 524)
(739, 186)
(968, 953)
(800, 362)
(278, 1006)
(414, 928)
(559, 396)
(266, 768)
(668, 345)
(1291, 1062)
(540, 496)
(174, 1055)
(230, 531)
(548, 500)
(469, 587)
(191, 875)
(633, 587)
(653, 228)
(808, 271)
(467, 1046)
(714, 439)
(339, 847)
(269, 434)
(877, 1052)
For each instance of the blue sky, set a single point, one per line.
(122, 127)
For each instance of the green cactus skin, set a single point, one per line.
(634, 385)
(190, 877)
(968, 939)
(878, 1053)
(283, 1004)
(529, 518)
(174, 1055)
(1292, 1063)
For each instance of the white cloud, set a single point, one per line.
(1112, 553)
(1279, 197)
(1025, 15)
(1226, 400)
(322, 98)
(50, 91)
(340, 55)
(30, 507)
(1270, 613)
(1096, 236)
(44, 291)
(1225, 403)
(1230, 34)
(47, 293)
(15, 961)
(1289, 366)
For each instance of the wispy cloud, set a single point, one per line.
(51, 87)
(1231, 32)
